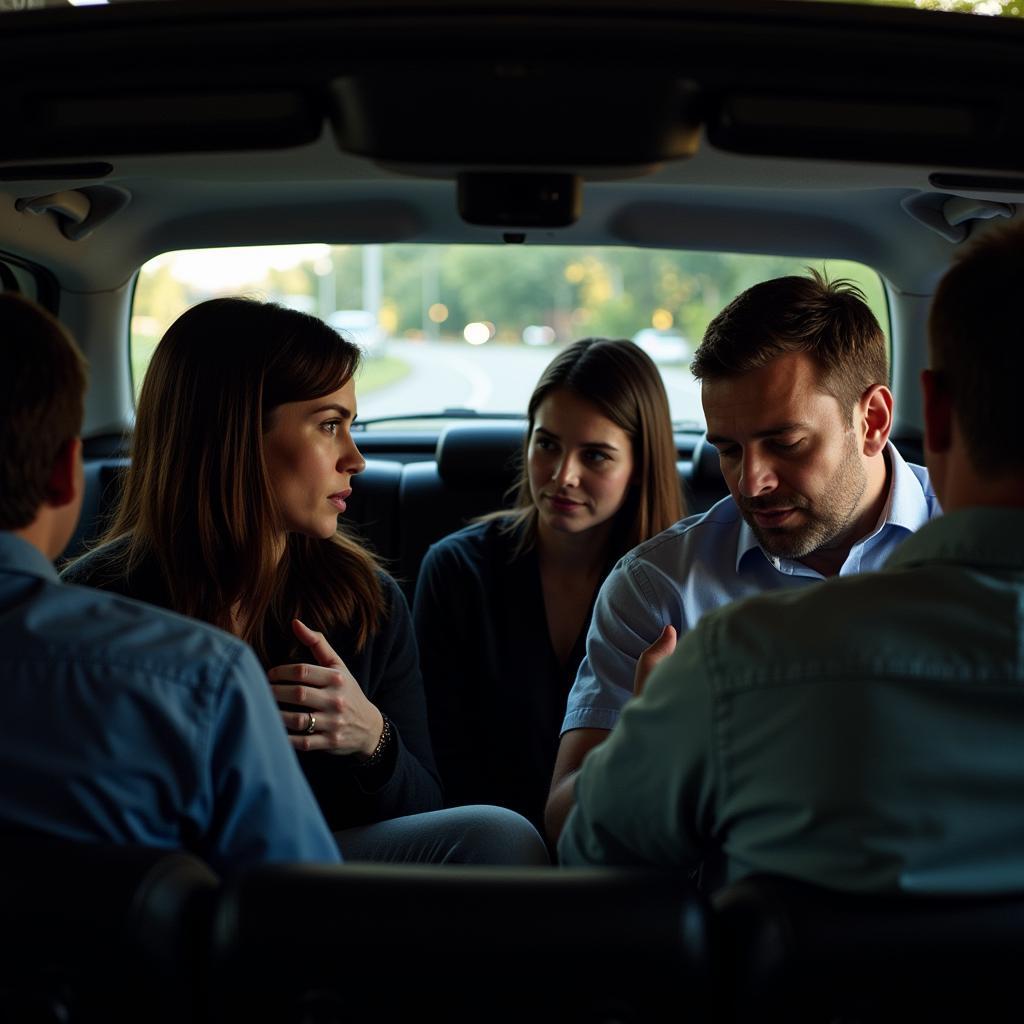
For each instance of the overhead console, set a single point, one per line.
(517, 113)
(520, 86)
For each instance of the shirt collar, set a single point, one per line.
(985, 537)
(908, 505)
(906, 508)
(19, 556)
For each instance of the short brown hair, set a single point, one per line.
(829, 320)
(42, 390)
(621, 380)
(975, 336)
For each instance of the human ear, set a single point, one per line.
(876, 411)
(938, 412)
(63, 486)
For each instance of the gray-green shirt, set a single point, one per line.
(866, 734)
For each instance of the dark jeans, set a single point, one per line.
(477, 834)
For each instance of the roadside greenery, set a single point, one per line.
(993, 8)
(377, 374)
(574, 291)
(520, 292)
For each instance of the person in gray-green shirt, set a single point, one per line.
(865, 734)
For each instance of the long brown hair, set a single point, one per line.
(621, 380)
(197, 498)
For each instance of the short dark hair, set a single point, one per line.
(975, 337)
(829, 320)
(42, 391)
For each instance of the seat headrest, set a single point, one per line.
(480, 454)
(707, 469)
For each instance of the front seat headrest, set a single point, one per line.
(480, 455)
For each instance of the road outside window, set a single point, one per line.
(470, 328)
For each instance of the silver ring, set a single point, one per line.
(311, 728)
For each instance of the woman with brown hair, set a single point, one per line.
(242, 460)
(502, 607)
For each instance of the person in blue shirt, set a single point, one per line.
(120, 722)
(794, 383)
(865, 736)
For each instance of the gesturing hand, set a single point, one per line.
(339, 716)
(658, 651)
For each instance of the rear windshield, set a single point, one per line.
(461, 330)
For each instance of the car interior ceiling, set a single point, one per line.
(724, 156)
(711, 141)
(855, 133)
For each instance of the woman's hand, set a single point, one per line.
(339, 716)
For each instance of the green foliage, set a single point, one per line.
(576, 291)
(995, 8)
(582, 291)
(376, 374)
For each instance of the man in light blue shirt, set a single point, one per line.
(794, 379)
(865, 735)
(120, 722)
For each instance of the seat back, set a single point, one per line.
(459, 944)
(704, 482)
(103, 479)
(399, 509)
(98, 933)
(473, 468)
(795, 952)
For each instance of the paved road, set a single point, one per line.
(489, 378)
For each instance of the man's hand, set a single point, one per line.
(658, 651)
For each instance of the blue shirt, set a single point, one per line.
(702, 563)
(124, 723)
(866, 736)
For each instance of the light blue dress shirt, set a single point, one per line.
(866, 736)
(704, 562)
(124, 723)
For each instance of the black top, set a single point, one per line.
(495, 690)
(387, 669)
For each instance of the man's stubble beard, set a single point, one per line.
(829, 518)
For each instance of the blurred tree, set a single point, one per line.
(995, 8)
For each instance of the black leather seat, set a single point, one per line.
(400, 509)
(474, 466)
(97, 933)
(704, 482)
(794, 952)
(378, 943)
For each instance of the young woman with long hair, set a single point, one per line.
(502, 607)
(242, 460)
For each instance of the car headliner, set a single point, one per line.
(812, 128)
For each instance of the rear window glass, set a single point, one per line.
(461, 330)
(1004, 8)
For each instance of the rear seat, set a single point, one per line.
(400, 509)
(473, 471)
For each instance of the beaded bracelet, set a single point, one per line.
(382, 745)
